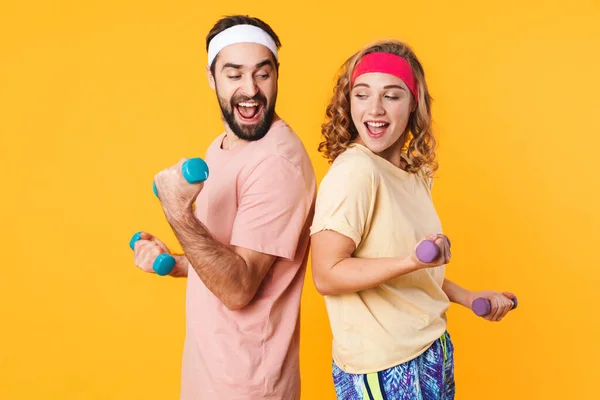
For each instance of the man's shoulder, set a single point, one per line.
(216, 142)
(282, 142)
(282, 139)
(280, 155)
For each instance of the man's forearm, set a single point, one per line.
(221, 269)
(456, 294)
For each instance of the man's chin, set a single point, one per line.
(249, 131)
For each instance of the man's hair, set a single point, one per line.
(233, 20)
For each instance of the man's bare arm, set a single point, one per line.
(233, 274)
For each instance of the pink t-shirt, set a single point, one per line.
(259, 195)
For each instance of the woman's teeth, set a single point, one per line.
(376, 128)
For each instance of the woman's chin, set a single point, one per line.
(376, 145)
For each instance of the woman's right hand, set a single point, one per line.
(443, 244)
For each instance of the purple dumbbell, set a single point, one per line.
(482, 306)
(427, 251)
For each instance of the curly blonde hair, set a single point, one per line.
(338, 130)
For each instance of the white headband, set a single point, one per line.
(240, 34)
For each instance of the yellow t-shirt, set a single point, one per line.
(386, 211)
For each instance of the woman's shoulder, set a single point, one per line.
(354, 160)
(351, 170)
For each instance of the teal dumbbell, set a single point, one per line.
(194, 170)
(164, 263)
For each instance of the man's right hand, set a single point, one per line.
(146, 250)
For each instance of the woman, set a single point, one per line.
(386, 307)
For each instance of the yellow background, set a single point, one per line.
(96, 97)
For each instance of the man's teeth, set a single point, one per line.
(376, 124)
(248, 104)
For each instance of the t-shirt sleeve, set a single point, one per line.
(274, 202)
(345, 200)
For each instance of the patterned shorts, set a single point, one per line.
(427, 377)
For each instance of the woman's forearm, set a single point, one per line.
(456, 293)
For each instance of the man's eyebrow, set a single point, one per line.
(231, 65)
(240, 66)
(264, 63)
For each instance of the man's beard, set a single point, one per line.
(248, 132)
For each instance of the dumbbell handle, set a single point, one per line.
(163, 264)
(194, 170)
(482, 306)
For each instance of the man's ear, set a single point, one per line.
(211, 78)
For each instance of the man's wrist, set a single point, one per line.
(180, 213)
(181, 266)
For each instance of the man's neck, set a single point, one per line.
(231, 140)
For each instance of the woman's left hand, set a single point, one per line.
(501, 303)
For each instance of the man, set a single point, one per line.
(246, 242)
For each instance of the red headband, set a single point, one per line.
(387, 63)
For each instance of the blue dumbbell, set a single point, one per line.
(164, 263)
(194, 170)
